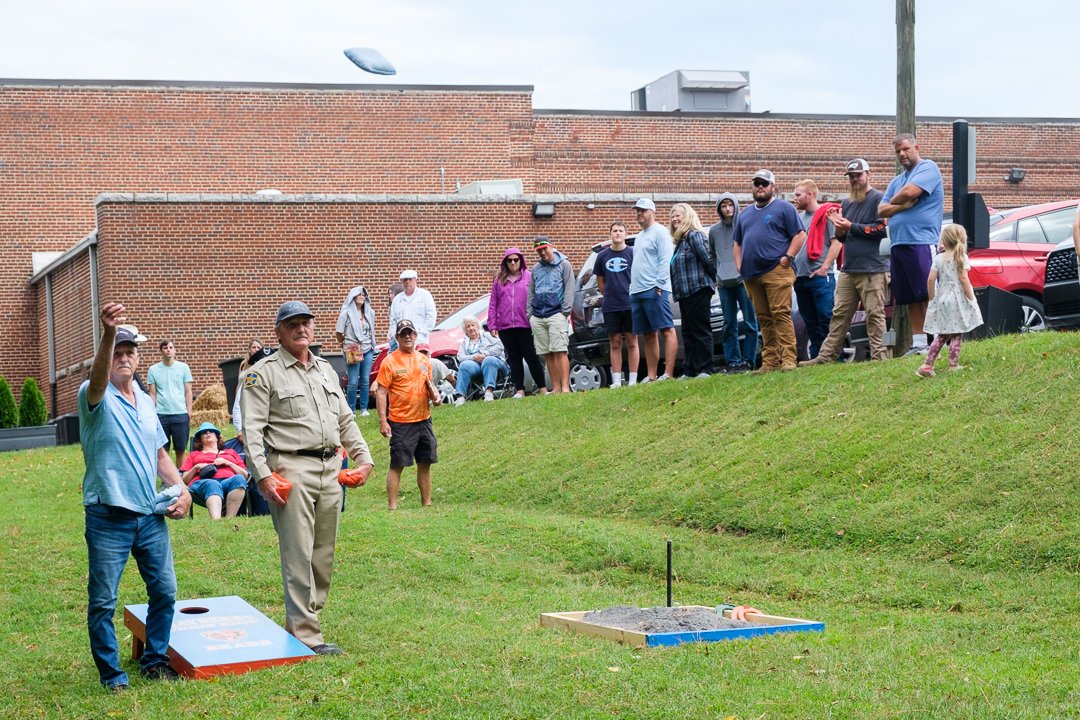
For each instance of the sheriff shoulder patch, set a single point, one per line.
(250, 379)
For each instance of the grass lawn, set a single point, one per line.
(934, 526)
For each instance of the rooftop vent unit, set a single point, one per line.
(695, 91)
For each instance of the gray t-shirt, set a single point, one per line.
(803, 264)
(862, 241)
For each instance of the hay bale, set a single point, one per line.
(219, 418)
(212, 398)
(211, 407)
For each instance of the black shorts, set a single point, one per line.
(619, 321)
(412, 441)
(177, 431)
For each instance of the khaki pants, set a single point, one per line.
(771, 295)
(307, 531)
(871, 289)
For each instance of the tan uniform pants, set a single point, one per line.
(771, 295)
(307, 531)
(871, 289)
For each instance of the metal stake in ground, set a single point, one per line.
(669, 573)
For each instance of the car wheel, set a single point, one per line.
(587, 377)
(1034, 320)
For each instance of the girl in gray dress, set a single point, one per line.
(952, 310)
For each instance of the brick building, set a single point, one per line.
(366, 171)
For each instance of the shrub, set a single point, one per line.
(9, 414)
(32, 411)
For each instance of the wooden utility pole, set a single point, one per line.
(905, 123)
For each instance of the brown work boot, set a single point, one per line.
(819, 360)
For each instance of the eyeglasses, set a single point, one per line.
(762, 183)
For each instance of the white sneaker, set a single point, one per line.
(489, 396)
(365, 414)
(519, 394)
(664, 377)
(459, 401)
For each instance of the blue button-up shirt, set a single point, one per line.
(120, 443)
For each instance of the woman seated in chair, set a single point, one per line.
(214, 475)
(479, 353)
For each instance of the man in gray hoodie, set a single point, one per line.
(739, 357)
(551, 296)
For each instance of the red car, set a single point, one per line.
(1020, 240)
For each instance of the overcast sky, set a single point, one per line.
(985, 58)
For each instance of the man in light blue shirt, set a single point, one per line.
(913, 203)
(650, 291)
(123, 448)
(170, 389)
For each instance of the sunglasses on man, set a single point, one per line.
(762, 183)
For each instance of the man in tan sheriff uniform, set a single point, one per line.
(296, 422)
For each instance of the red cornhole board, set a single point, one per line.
(219, 636)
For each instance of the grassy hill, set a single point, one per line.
(932, 524)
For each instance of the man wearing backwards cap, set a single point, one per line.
(405, 386)
(296, 423)
(863, 273)
(123, 447)
(416, 305)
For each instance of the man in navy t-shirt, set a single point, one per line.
(913, 202)
(612, 271)
(768, 236)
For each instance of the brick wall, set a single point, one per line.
(62, 145)
(671, 153)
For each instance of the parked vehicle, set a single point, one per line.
(1061, 290)
(1020, 240)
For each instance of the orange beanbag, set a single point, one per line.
(284, 487)
(351, 478)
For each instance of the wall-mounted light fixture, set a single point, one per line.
(543, 210)
(1016, 175)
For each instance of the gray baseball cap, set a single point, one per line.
(645, 204)
(292, 308)
(765, 175)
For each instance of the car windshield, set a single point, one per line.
(475, 308)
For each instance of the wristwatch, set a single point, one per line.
(790, 258)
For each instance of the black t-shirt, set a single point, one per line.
(614, 267)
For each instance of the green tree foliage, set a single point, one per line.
(9, 413)
(32, 411)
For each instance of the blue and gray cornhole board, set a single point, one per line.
(219, 636)
(762, 625)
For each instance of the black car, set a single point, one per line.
(1061, 288)
(590, 349)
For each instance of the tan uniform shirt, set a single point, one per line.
(288, 407)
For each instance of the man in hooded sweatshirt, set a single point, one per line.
(551, 296)
(739, 357)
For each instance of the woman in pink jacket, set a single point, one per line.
(508, 320)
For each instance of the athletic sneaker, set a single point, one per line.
(489, 396)
(925, 371)
(459, 401)
(519, 394)
(365, 414)
(917, 350)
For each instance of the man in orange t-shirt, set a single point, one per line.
(405, 388)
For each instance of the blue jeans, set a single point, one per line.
(209, 487)
(815, 296)
(111, 535)
(732, 299)
(359, 373)
(491, 368)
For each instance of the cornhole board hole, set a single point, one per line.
(763, 625)
(219, 636)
